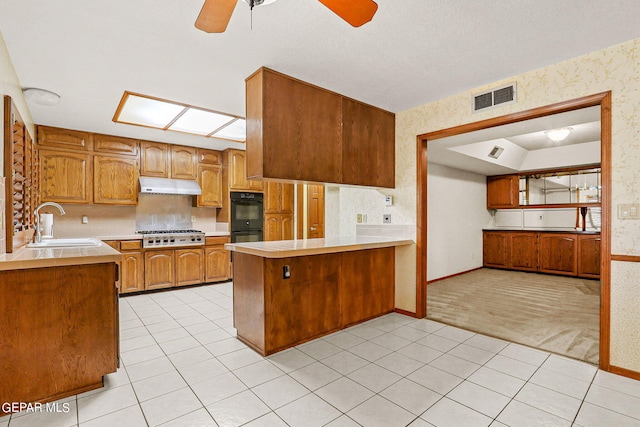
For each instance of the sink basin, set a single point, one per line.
(65, 243)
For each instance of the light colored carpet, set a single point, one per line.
(552, 313)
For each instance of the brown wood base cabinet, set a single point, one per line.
(323, 294)
(567, 254)
(150, 269)
(59, 329)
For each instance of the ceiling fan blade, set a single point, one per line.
(355, 12)
(215, 15)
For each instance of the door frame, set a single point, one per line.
(602, 99)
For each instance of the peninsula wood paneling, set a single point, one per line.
(59, 331)
(324, 293)
(367, 289)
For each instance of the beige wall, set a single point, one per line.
(10, 85)
(616, 68)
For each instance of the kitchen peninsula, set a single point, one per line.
(58, 321)
(291, 291)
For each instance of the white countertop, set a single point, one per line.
(56, 257)
(291, 248)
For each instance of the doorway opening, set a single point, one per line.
(310, 211)
(603, 101)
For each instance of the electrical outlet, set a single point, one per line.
(359, 218)
(85, 219)
(193, 218)
(386, 219)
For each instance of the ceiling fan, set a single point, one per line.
(215, 14)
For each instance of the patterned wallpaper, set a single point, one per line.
(616, 68)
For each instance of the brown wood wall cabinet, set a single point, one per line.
(66, 177)
(148, 269)
(60, 331)
(324, 293)
(278, 211)
(82, 167)
(234, 178)
(567, 254)
(502, 191)
(300, 132)
(115, 180)
(22, 185)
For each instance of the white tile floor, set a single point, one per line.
(182, 366)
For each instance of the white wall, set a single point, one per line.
(10, 85)
(456, 214)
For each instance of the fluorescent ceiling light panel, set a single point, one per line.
(236, 131)
(148, 112)
(200, 122)
(144, 110)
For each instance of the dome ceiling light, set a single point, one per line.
(560, 134)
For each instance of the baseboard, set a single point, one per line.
(452, 275)
(624, 372)
(405, 312)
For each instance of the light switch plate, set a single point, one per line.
(629, 211)
(388, 200)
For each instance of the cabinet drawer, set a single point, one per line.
(131, 245)
(113, 243)
(216, 240)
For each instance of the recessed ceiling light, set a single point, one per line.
(557, 135)
(148, 111)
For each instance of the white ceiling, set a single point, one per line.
(413, 52)
(526, 145)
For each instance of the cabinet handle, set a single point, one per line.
(312, 228)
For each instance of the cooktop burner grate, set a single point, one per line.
(167, 231)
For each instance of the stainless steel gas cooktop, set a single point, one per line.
(167, 238)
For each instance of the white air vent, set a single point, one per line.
(495, 153)
(495, 97)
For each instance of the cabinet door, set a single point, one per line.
(286, 227)
(237, 170)
(65, 177)
(189, 267)
(502, 191)
(64, 138)
(115, 180)
(154, 159)
(589, 256)
(272, 227)
(209, 157)
(183, 162)
(216, 264)
(159, 269)
(131, 272)
(272, 198)
(524, 251)
(210, 180)
(368, 145)
(293, 129)
(558, 253)
(115, 145)
(495, 249)
(286, 198)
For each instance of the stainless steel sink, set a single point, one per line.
(65, 243)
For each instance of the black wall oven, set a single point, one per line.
(247, 217)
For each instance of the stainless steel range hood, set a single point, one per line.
(150, 185)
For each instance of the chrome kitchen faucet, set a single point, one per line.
(36, 213)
